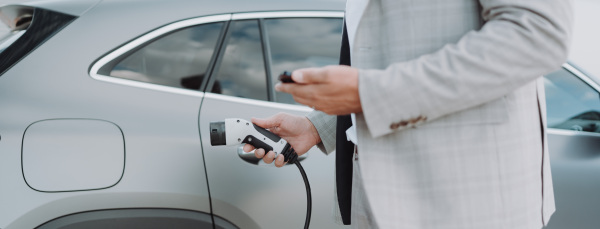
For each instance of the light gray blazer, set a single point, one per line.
(451, 135)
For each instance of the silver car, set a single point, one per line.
(105, 109)
(573, 120)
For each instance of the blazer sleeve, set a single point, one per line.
(325, 125)
(518, 42)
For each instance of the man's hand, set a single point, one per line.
(296, 130)
(331, 89)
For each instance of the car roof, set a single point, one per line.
(72, 7)
(127, 19)
(183, 7)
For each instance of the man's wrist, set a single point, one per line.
(325, 126)
(313, 132)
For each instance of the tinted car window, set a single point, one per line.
(179, 59)
(300, 43)
(242, 70)
(571, 103)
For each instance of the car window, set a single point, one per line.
(242, 69)
(571, 103)
(300, 43)
(179, 59)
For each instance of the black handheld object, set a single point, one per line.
(286, 77)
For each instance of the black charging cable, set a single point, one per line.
(290, 156)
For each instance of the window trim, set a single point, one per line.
(586, 79)
(288, 14)
(96, 66)
(217, 57)
(94, 70)
(220, 52)
(564, 132)
(266, 49)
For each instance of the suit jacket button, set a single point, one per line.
(396, 125)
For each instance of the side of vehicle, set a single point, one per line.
(71, 144)
(573, 108)
(83, 147)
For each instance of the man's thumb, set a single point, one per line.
(264, 123)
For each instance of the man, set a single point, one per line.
(447, 112)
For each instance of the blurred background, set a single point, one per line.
(585, 46)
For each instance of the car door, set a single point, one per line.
(257, 47)
(153, 86)
(573, 111)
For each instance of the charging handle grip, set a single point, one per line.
(267, 133)
(257, 143)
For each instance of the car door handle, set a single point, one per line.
(250, 158)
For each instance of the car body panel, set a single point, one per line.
(160, 132)
(155, 139)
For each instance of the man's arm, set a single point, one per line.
(325, 125)
(520, 41)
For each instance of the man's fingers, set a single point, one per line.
(264, 123)
(259, 153)
(309, 75)
(279, 161)
(303, 94)
(269, 157)
(248, 148)
(305, 101)
(272, 123)
(267, 123)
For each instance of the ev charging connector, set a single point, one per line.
(234, 131)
